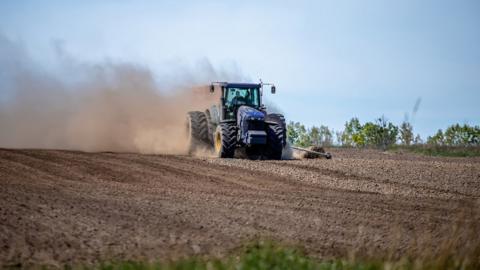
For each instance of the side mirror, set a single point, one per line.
(212, 88)
(273, 89)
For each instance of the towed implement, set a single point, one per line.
(238, 120)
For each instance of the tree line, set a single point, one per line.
(380, 133)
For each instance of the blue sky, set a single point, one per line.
(330, 60)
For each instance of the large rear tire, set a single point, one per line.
(225, 140)
(197, 130)
(210, 127)
(276, 136)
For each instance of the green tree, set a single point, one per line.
(352, 134)
(417, 140)
(406, 133)
(371, 134)
(314, 134)
(297, 134)
(437, 139)
(304, 139)
(388, 132)
(292, 131)
(321, 136)
(326, 135)
(457, 135)
(338, 137)
(380, 134)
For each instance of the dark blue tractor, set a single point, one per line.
(239, 120)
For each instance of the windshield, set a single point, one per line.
(242, 96)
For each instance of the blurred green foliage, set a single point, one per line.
(299, 135)
(383, 134)
(456, 135)
(269, 256)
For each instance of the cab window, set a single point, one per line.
(242, 96)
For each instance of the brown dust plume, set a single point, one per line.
(95, 107)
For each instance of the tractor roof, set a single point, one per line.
(241, 85)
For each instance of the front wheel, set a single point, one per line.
(276, 136)
(225, 140)
(275, 139)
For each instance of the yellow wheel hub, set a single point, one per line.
(218, 142)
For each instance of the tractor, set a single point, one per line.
(239, 120)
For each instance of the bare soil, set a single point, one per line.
(70, 207)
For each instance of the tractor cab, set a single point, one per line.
(236, 95)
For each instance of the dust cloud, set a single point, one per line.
(118, 107)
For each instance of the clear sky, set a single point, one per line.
(330, 60)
